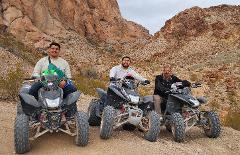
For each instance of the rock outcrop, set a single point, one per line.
(96, 20)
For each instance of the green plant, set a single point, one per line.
(88, 85)
(10, 84)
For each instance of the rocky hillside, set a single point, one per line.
(202, 45)
(88, 30)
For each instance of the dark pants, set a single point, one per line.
(37, 85)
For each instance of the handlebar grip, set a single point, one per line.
(31, 78)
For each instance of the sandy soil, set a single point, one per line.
(122, 142)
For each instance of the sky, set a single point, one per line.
(152, 14)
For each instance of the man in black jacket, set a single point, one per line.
(163, 84)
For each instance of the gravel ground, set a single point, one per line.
(122, 142)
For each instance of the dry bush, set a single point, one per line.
(233, 118)
(89, 72)
(88, 85)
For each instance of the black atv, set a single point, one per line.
(181, 113)
(51, 113)
(122, 106)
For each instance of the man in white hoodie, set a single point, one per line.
(124, 69)
(120, 72)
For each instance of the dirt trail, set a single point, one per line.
(122, 142)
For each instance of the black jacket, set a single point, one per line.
(162, 85)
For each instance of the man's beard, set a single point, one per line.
(125, 66)
(167, 76)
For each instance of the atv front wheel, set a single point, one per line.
(178, 127)
(93, 119)
(107, 122)
(154, 127)
(82, 128)
(21, 134)
(213, 128)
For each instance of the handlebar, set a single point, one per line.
(31, 78)
(196, 85)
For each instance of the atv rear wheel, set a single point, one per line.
(107, 122)
(213, 127)
(21, 134)
(154, 127)
(93, 119)
(178, 127)
(82, 128)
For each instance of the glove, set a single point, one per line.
(146, 82)
(186, 83)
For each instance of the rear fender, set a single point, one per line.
(98, 111)
(146, 104)
(148, 99)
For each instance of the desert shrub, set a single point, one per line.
(88, 85)
(233, 119)
(10, 84)
(194, 77)
(214, 105)
(89, 72)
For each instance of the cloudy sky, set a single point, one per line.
(152, 14)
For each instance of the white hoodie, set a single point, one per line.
(118, 72)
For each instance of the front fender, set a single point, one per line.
(72, 98)
(29, 99)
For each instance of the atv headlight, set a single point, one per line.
(195, 102)
(52, 103)
(134, 99)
